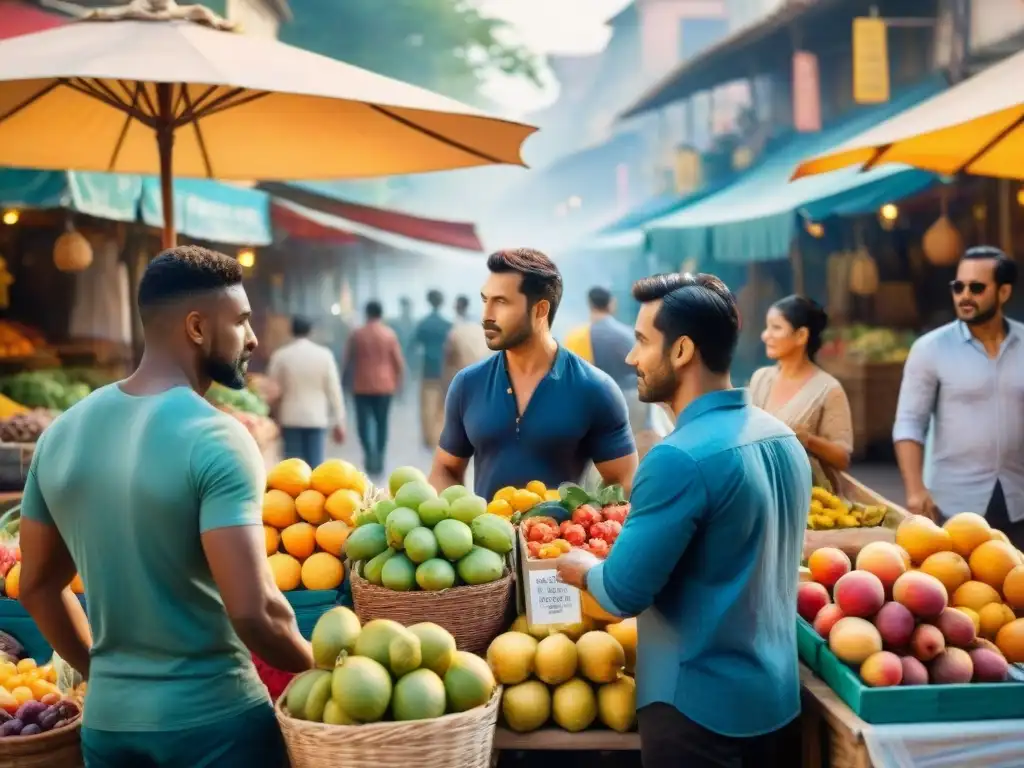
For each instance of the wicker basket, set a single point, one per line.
(462, 740)
(59, 748)
(474, 615)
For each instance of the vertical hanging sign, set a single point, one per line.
(806, 93)
(870, 61)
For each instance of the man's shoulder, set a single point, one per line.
(476, 375)
(938, 337)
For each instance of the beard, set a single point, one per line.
(657, 386)
(980, 316)
(227, 373)
(507, 340)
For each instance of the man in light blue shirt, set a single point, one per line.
(967, 379)
(709, 554)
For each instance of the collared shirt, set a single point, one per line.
(431, 334)
(466, 345)
(612, 341)
(373, 361)
(976, 408)
(575, 415)
(708, 560)
(307, 374)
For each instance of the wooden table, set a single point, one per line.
(832, 733)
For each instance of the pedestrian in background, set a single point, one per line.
(466, 343)
(310, 402)
(374, 365)
(431, 334)
(404, 327)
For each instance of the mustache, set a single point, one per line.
(491, 327)
(971, 304)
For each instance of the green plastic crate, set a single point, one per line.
(921, 703)
(809, 644)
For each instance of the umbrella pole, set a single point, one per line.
(165, 145)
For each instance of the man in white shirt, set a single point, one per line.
(310, 400)
(465, 344)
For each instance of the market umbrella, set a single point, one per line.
(975, 127)
(154, 88)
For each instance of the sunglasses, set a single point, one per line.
(959, 286)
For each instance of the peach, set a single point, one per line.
(811, 597)
(989, 666)
(884, 560)
(826, 619)
(882, 669)
(827, 565)
(924, 595)
(952, 666)
(921, 538)
(895, 623)
(981, 642)
(927, 642)
(853, 640)
(972, 615)
(956, 627)
(859, 593)
(914, 672)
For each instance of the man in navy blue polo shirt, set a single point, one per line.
(535, 411)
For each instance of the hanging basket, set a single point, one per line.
(942, 243)
(72, 252)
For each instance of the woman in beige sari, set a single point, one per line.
(796, 391)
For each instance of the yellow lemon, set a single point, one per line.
(505, 494)
(500, 507)
(287, 571)
(322, 571)
(552, 495)
(536, 486)
(343, 504)
(310, 506)
(524, 501)
(336, 474)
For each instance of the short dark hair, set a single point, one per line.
(185, 270)
(802, 312)
(600, 299)
(461, 304)
(435, 298)
(1006, 268)
(301, 327)
(374, 310)
(700, 307)
(541, 278)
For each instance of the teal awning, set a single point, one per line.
(103, 195)
(755, 218)
(210, 210)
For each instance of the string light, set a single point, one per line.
(247, 257)
(11, 217)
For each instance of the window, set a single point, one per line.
(695, 35)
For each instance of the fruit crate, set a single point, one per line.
(924, 703)
(809, 644)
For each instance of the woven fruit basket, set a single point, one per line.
(474, 615)
(59, 748)
(460, 740)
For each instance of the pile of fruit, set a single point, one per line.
(16, 341)
(244, 400)
(30, 701)
(384, 671)
(572, 683)
(829, 511)
(307, 516)
(53, 389)
(511, 501)
(589, 521)
(419, 539)
(938, 606)
(868, 343)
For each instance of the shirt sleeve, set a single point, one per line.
(610, 436)
(668, 502)
(229, 476)
(33, 505)
(836, 422)
(918, 390)
(454, 438)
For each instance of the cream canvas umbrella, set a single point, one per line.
(154, 88)
(975, 127)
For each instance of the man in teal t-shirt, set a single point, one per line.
(154, 497)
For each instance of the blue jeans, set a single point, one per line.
(306, 443)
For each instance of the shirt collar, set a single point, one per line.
(557, 367)
(713, 401)
(1013, 331)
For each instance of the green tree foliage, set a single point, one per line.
(444, 45)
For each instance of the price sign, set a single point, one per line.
(550, 601)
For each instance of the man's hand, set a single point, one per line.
(803, 435)
(921, 503)
(573, 566)
(339, 434)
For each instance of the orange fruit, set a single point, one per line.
(921, 538)
(299, 540)
(334, 475)
(974, 595)
(310, 507)
(22, 694)
(1013, 588)
(1010, 640)
(999, 535)
(343, 504)
(77, 586)
(12, 584)
(992, 618)
(279, 509)
(287, 571)
(26, 665)
(992, 560)
(968, 531)
(291, 476)
(949, 568)
(331, 536)
(40, 688)
(272, 538)
(322, 571)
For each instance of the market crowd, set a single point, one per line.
(162, 515)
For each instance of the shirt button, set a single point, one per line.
(508, 391)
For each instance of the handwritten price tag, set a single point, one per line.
(551, 601)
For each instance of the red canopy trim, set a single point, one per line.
(17, 18)
(297, 225)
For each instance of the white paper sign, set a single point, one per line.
(551, 601)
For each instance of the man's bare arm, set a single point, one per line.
(46, 571)
(619, 471)
(447, 470)
(259, 612)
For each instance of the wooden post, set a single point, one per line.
(165, 144)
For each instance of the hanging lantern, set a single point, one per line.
(72, 252)
(863, 274)
(942, 244)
